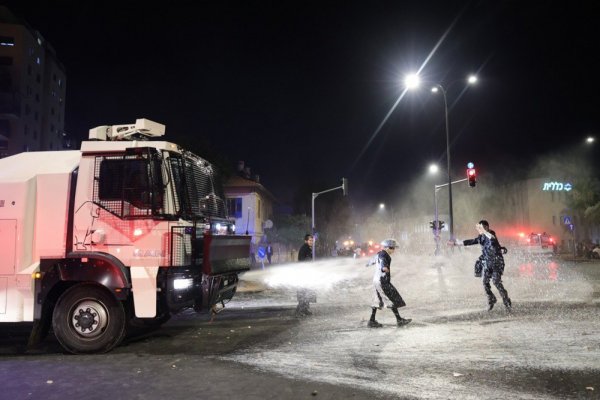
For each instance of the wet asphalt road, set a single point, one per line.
(547, 348)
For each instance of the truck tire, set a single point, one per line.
(88, 319)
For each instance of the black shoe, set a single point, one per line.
(374, 324)
(491, 304)
(508, 305)
(403, 321)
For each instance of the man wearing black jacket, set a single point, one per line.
(492, 261)
(305, 296)
(384, 293)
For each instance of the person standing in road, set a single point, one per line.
(492, 261)
(305, 296)
(269, 252)
(384, 292)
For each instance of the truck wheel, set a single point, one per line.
(88, 319)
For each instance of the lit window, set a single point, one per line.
(37, 60)
(234, 207)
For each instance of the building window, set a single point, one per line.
(7, 41)
(258, 212)
(38, 61)
(234, 207)
(552, 194)
(27, 109)
(36, 116)
(35, 134)
(6, 60)
(25, 130)
(554, 220)
(37, 97)
(38, 78)
(29, 70)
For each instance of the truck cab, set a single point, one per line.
(124, 232)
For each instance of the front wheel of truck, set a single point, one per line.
(88, 319)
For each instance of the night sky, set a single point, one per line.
(297, 89)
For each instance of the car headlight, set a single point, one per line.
(182, 284)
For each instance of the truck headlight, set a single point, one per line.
(182, 284)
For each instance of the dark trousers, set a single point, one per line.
(496, 278)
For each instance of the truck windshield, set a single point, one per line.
(198, 188)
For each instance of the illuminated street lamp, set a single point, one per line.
(411, 82)
(381, 206)
(590, 139)
(433, 169)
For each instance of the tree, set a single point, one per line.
(290, 229)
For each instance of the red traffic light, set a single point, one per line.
(472, 177)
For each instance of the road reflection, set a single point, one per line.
(546, 270)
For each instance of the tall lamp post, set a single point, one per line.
(451, 215)
(412, 81)
(344, 188)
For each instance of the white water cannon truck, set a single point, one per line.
(123, 233)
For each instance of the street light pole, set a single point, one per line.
(412, 81)
(438, 86)
(437, 223)
(344, 188)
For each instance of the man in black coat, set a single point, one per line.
(492, 262)
(305, 296)
(384, 292)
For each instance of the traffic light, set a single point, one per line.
(436, 225)
(471, 174)
(345, 186)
